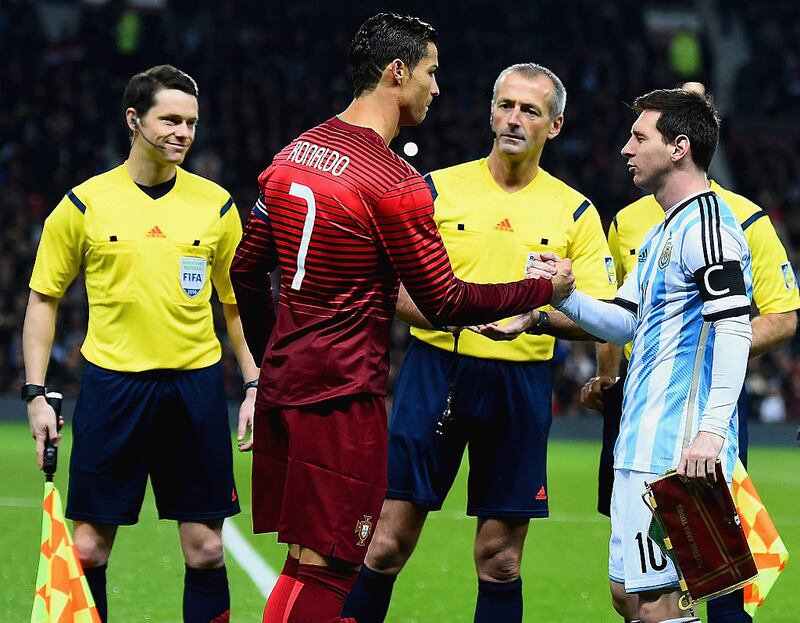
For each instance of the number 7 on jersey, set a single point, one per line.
(306, 194)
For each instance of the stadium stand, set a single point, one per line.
(265, 71)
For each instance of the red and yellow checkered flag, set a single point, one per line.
(766, 545)
(62, 593)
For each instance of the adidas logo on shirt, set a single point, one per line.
(155, 233)
(504, 225)
(542, 495)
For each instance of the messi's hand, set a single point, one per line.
(699, 457)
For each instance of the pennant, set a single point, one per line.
(62, 593)
(765, 543)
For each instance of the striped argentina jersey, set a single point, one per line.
(692, 269)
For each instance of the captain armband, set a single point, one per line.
(722, 281)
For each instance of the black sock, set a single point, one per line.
(96, 579)
(728, 609)
(205, 596)
(369, 598)
(499, 602)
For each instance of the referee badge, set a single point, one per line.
(788, 276)
(611, 270)
(663, 259)
(193, 275)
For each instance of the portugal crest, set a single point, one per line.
(363, 529)
(663, 259)
(193, 275)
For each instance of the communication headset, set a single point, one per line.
(135, 122)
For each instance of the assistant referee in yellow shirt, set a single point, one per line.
(152, 238)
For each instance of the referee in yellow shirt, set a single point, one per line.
(775, 295)
(152, 238)
(492, 214)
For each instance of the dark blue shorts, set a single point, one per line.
(171, 425)
(502, 412)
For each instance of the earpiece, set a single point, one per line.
(134, 120)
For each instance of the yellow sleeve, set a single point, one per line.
(592, 263)
(230, 235)
(774, 284)
(61, 249)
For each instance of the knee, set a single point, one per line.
(497, 563)
(204, 553)
(388, 552)
(622, 601)
(92, 548)
(90, 554)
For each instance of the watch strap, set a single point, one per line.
(29, 391)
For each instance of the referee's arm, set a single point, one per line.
(38, 333)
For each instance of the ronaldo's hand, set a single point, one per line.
(592, 391)
(246, 411)
(43, 425)
(563, 282)
(699, 457)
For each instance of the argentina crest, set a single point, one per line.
(663, 259)
(193, 275)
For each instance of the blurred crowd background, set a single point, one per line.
(269, 70)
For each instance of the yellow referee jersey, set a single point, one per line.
(774, 284)
(489, 234)
(149, 264)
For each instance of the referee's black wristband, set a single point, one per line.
(542, 324)
(249, 384)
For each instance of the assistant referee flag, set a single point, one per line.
(62, 593)
(766, 545)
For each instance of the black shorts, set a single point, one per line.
(170, 425)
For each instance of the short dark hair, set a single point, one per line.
(688, 113)
(142, 88)
(383, 38)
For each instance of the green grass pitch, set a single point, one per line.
(564, 567)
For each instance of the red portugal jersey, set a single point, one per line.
(346, 220)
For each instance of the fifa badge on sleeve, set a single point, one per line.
(611, 270)
(788, 276)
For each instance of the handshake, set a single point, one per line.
(548, 266)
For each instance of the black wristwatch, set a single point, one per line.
(542, 324)
(250, 384)
(29, 391)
